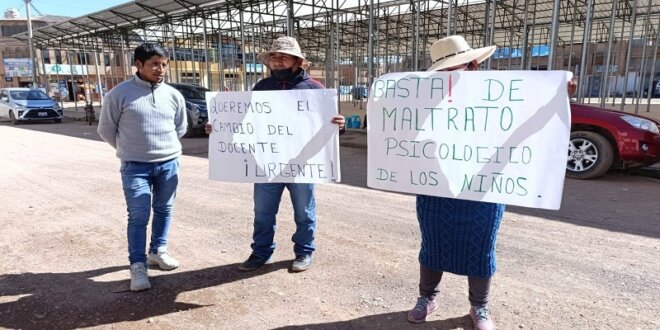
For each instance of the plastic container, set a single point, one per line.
(349, 122)
(355, 121)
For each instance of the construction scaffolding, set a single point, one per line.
(610, 45)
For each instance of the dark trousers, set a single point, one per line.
(429, 282)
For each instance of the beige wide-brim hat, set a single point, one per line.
(454, 50)
(285, 45)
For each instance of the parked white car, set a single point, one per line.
(26, 104)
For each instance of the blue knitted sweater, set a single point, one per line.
(458, 236)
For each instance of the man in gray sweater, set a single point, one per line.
(143, 119)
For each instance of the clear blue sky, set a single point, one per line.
(72, 8)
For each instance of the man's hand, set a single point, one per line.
(339, 120)
(208, 128)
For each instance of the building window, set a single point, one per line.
(19, 53)
(58, 56)
(46, 55)
(83, 58)
(10, 30)
(106, 59)
(189, 77)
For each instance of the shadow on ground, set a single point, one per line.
(628, 201)
(396, 320)
(74, 300)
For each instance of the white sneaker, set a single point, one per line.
(139, 277)
(163, 259)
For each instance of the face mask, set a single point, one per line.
(283, 74)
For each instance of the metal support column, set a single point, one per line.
(87, 82)
(98, 79)
(651, 88)
(585, 49)
(337, 57)
(125, 58)
(616, 81)
(221, 63)
(73, 90)
(523, 55)
(628, 55)
(105, 72)
(450, 17)
(289, 18)
(645, 37)
(605, 80)
(242, 27)
(553, 34)
(43, 66)
(491, 35)
(415, 48)
(207, 60)
(33, 64)
(57, 77)
(370, 47)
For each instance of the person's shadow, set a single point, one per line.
(74, 300)
(395, 320)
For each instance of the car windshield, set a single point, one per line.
(28, 95)
(191, 93)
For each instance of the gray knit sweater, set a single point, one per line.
(144, 122)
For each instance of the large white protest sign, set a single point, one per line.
(274, 136)
(494, 136)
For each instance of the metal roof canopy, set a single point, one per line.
(471, 18)
(395, 22)
(118, 19)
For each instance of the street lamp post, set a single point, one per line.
(29, 26)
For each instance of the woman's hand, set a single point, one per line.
(572, 86)
(208, 128)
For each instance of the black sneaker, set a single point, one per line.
(253, 262)
(302, 263)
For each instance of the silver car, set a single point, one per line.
(25, 104)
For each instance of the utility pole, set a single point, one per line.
(32, 61)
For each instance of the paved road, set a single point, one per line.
(593, 264)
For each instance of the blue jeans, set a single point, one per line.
(148, 185)
(267, 198)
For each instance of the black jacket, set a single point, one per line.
(301, 81)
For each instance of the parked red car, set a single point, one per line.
(602, 139)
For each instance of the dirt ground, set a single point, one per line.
(63, 262)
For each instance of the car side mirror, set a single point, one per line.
(4, 99)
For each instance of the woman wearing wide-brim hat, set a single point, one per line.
(458, 236)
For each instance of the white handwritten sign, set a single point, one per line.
(274, 136)
(494, 136)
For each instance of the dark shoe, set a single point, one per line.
(481, 319)
(302, 263)
(423, 308)
(253, 263)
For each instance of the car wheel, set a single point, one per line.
(13, 119)
(57, 120)
(590, 155)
